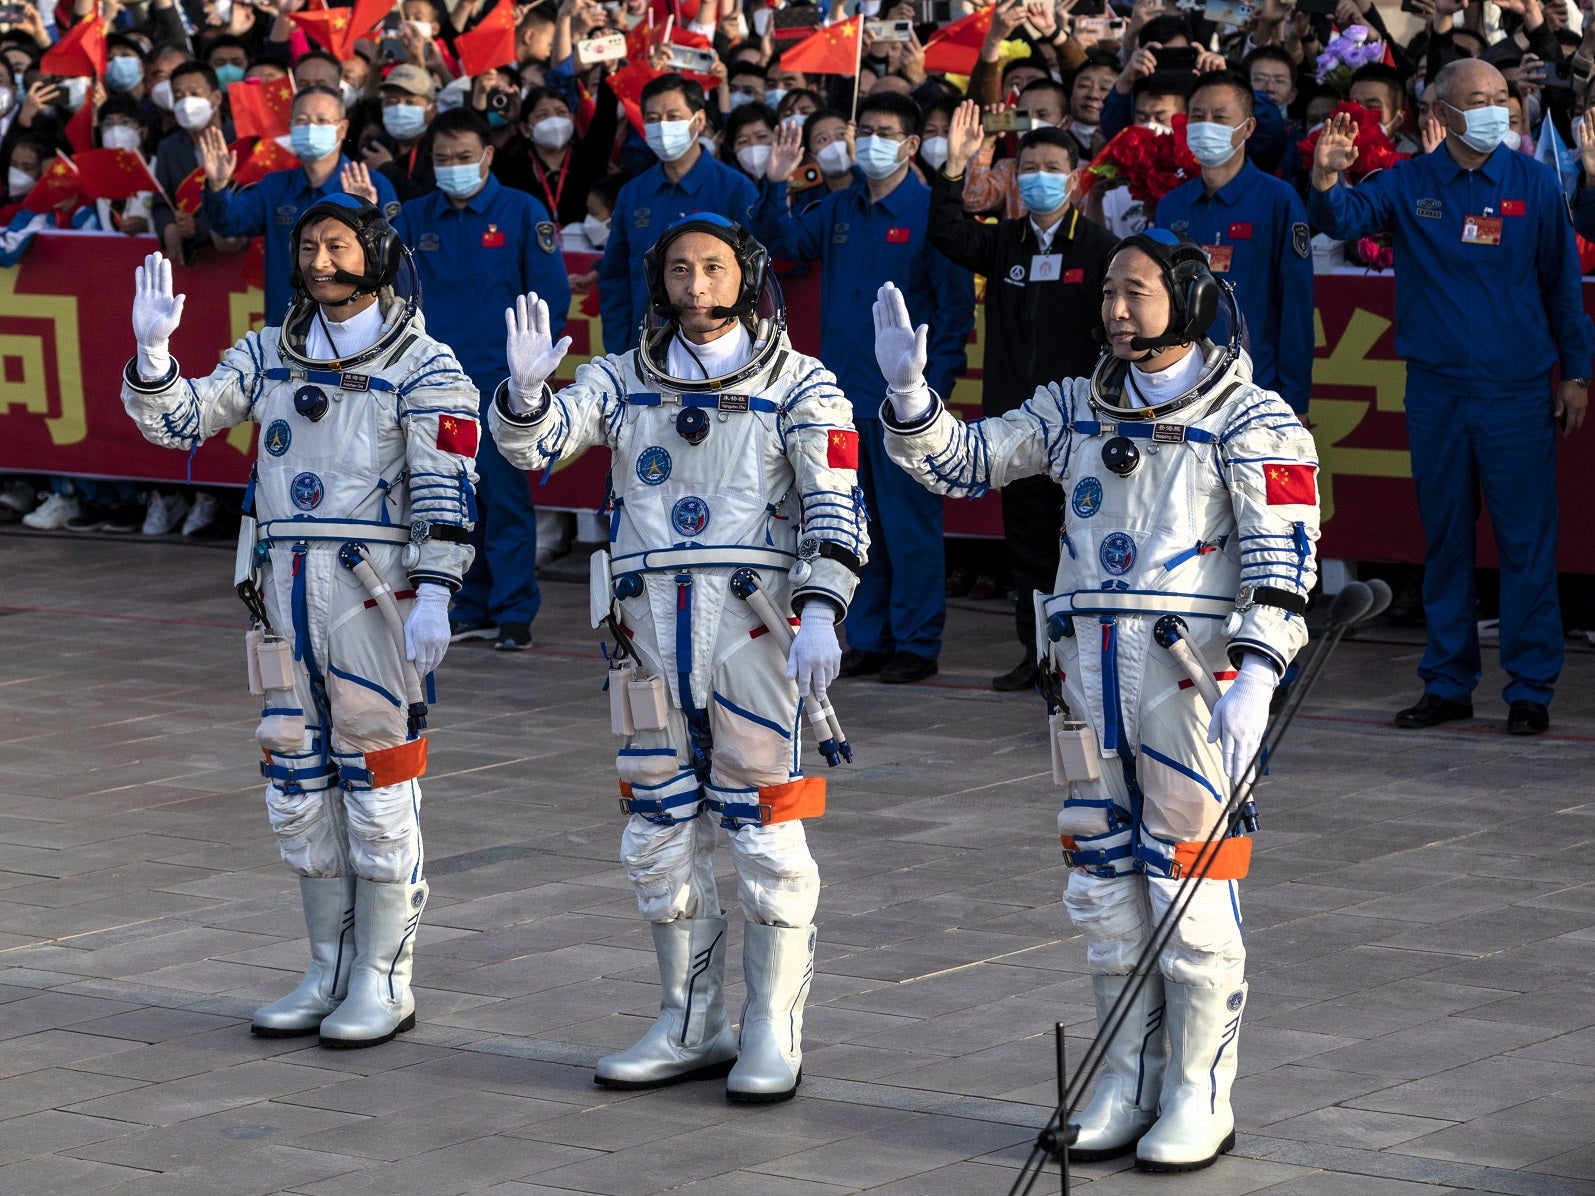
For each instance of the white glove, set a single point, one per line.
(816, 657)
(155, 315)
(529, 347)
(900, 352)
(426, 631)
(1241, 716)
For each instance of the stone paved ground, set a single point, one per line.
(1421, 922)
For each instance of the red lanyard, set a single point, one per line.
(564, 173)
(409, 169)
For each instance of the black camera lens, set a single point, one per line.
(692, 425)
(498, 101)
(310, 402)
(1121, 456)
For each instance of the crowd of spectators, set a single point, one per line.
(1000, 119)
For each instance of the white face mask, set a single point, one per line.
(834, 158)
(553, 132)
(596, 230)
(1211, 143)
(193, 112)
(224, 10)
(755, 159)
(934, 151)
(347, 91)
(669, 139)
(7, 95)
(19, 182)
(774, 95)
(879, 157)
(121, 137)
(161, 95)
(424, 28)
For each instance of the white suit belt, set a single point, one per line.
(1140, 602)
(304, 531)
(712, 556)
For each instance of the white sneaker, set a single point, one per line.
(19, 496)
(201, 515)
(164, 513)
(52, 514)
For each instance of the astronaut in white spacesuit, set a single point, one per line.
(1191, 494)
(361, 499)
(733, 457)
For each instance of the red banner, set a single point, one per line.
(64, 339)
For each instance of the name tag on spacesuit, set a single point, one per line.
(1481, 230)
(1046, 267)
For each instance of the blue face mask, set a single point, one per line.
(123, 73)
(1486, 127)
(497, 120)
(460, 182)
(1044, 191)
(404, 122)
(311, 143)
(229, 74)
(877, 156)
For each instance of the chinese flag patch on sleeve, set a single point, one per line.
(457, 434)
(841, 449)
(1291, 485)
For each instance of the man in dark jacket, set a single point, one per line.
(1043, 305)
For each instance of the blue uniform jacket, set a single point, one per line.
(1263, 223)
(1492, 319)
(648, 205)
(270, 209)
(864, 245)
(474, 261)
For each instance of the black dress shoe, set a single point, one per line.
(1527, 718)
(1431, 711)
(858, 663)
(1021, 677)
(905, 668)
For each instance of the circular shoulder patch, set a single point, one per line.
(1236, 1000)
(653, 466)
(306, 491)
(1087, 498)
(1117, 553)
(277, 438)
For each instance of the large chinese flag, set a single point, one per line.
(834, 50)
(114, 174)
(80, 52)
(58, 182)
(956, 48)
(491, 44)
(261, 109)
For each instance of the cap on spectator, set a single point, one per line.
(411, 78)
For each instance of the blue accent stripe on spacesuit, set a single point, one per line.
(1091, 427)
(652, 398)
(753, 718)
(1183, 770)
(371, 685)
(1112, 717)
(302, 649)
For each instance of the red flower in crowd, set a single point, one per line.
(1375, 151)
(1151, 163)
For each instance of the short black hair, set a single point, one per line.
(896, 105)
(462, 120)
(607, 189)
(745, 67)
(1378, 72)
(691, 91)
(319, 56)
(1163, 83)
(1015, 64)
(1055, 137)
(1228, 77)
(537, 95)
(1047, 83)
(228, 41)
(317, 89)
(1270, 54)
(202, 69)
(747, 114)
(118, 41)
(814, 119)
(1164, 29)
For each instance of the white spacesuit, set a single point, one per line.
(1192, 494)
(732, 455)
(361, 498)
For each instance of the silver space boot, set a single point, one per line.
(1124, 1105)
(690, 1040)
(777, 965)
(329, 917)
(379, 1004)
(1195, 1122)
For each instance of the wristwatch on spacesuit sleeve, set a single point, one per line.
(1254, 595)
(501, 399)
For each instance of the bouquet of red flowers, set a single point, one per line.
(1374, 149)
(1150, 163)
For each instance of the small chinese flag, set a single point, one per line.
(491, 43)
(368, 14)
(59, 182)
(627, 84)
(328, 28)
(457, 434)
(261, 109)
(834, 50)
(955, 48)
(190, 197)
(258, 158)
(81, 52)
(114, 174)
(1513, 207)
(1291, 485)
(841, 447)
(80, 129)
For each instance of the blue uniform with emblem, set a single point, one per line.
(646, 206)
(474, 260)
(1488, 300)
(271, 208)
(862, 244)
(1254, 229)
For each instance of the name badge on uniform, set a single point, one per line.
(1219, 257)
(898, 236)
(1481, 230)
(1046, 267)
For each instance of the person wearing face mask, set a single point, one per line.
(228, 56)
(745, 145)
(1381, 90)
(991, 185)
(124, 70)
(745, 84)
(685, 179)
(8, 98)
(1254, 230)
(933, 141)
(478, 245)
(1043, 305)
(357, 530)
(1484, 244)
(117, 127)
(1158, 99)
(549, 162)
(271, 207)
(409, 103)
(871, 232)
(1217, 528)
(828, 142)
(196, 106)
